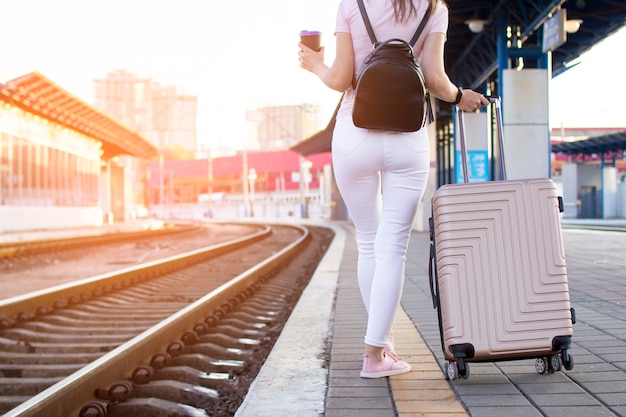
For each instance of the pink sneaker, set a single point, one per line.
(390, 365)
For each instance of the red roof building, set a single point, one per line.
(277, 171)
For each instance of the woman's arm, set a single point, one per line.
(339, 75)
(438, 82)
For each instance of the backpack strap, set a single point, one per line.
(366, 19)
(370, 31)
(421, 27)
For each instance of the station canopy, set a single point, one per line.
(471, 58)
(615, 142)
(38, 95)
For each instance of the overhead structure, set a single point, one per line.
(615, 142)
(40, 96)
(486, 37)
(472, 57)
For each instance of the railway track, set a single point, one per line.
(21, 249)
(155, 240)
(179, 336)
(112, 250)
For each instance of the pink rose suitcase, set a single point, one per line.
(498, 272)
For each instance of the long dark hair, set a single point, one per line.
(405, 9)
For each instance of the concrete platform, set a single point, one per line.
(314, 368)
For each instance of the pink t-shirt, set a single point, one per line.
(382, 18)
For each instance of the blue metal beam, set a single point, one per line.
(487, 51)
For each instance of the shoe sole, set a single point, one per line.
(383, 374)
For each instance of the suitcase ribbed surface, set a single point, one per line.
(501, 264)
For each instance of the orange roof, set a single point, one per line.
(36, 94)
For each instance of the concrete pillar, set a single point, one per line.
(326, 191)
(526, 123)
(621, 194)
(108, 204)
(570, 190)
(609, 192)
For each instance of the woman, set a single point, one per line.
(382, 174)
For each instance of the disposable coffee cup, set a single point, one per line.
(312, 39)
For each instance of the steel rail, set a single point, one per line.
(24, 248)
(25, 307)
(63, 398)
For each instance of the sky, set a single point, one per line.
(235, 56)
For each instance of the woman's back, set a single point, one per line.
(382, 17)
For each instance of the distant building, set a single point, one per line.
(276, 184)
(158, 113)
(281, 127)
(568, 135)
(59, 159)
(590, 164)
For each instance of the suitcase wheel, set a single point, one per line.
(541, 365)
(555, 363)
(454, 371)
(464, 373)
(552, 363)
(451, 371)
(568, 361)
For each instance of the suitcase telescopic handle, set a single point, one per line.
(497, 105)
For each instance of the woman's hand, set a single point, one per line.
(472, 101)
(339, 75)
(311, 60)
(437, 80)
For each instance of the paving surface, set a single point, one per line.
(314, 367)
(597, 384)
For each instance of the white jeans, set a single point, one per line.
(381, 176)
